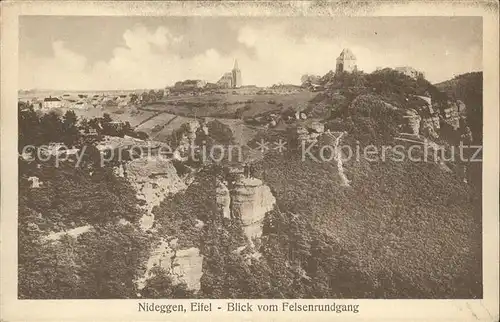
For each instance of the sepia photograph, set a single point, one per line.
(127, 187)
(210, 157)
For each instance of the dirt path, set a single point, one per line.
(338, 157)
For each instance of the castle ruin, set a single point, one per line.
(346, 62)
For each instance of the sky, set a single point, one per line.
(105, 53)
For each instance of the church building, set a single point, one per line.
(236, 75)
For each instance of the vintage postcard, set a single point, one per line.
(227, 161)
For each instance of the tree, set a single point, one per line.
(145, 98)
(69, 128)
(134, 98)
(29, 126)
(161, 286)
(51, 127)
(152, 96)
(160, 94)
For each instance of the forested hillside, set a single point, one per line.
(469, 89)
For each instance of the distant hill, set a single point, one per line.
(469, 89)
(462, 85)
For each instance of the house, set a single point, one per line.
(81, 105)
(51, 102)
(211, 86)
(190, 84)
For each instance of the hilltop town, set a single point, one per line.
(267, 225)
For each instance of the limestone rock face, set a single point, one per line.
(413, 120)
(223, 199)
(451, 115)
(205, 128)
(251, 200)
(184, 265)
(191, 128)
(119, 171)
(187, 267)
(427, 99)
(187, 140)
(429, 128)
(153, 179)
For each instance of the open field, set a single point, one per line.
(167, 124)
(156, 121)
(222, 105)
(135, 117)
(159, 119)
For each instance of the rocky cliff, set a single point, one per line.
(223, 199)
(183, 265)
(153, 179)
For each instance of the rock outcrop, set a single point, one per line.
(187, 140)
(413, 121)
(187, 266)
(35, 182)
(223, 199)
(183, 265)
(309, 131)
(251, 200)
(189, 134)
(429, 127)
(451, 115)
(153, 179)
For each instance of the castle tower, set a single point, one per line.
(236, 83)
(346, 62)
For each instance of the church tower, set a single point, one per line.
(236, 75)
(346, 62)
